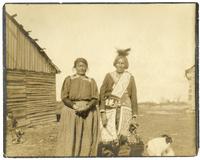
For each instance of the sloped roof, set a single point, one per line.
(189, 70)
(40, 50)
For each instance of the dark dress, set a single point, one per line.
(78, 135)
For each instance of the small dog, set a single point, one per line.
(160, 146)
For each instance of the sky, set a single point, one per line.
(161, 38)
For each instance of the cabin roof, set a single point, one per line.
(40, 50)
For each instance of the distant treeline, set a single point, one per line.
(177, 103)
(162, 103)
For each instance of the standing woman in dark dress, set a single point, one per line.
(79, 126)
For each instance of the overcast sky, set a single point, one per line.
(161, 38)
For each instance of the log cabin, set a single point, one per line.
(30, 77)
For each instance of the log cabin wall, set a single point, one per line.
(30, 78)
(16, 96)
(41, 98)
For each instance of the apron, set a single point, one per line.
(118, 110)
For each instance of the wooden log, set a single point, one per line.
(40, 109)
(31, 112)
(40, 105)
(40, 98)
(19, 115)
(15, 87)
(17, 78)
(41, 94)
(43, 76)
(21, 105)
(43, 119)
(40, 102)
(40, 114)
(14, 84)
(52, 117)
(41, 88)
(40, 78)
(48, 121)
(23, 123)
(32, 124)
(16, 94)
(16, 107)
(19, 100)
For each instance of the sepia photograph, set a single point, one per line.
(100, 79)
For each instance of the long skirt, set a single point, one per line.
(78, 136)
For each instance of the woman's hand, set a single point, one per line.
(104, 119)
(82, 111)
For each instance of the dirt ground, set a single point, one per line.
(40, 141)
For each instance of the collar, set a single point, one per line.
(81, 77)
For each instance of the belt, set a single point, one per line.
(112, 103)
(108, 107)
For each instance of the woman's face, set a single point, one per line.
(81, 68)
(120, 65)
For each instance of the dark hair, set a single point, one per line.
(83, 60)
(122, 54)
(168, 139)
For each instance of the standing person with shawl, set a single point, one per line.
(118, 102)
(78, 134)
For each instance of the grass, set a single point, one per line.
(154, 121)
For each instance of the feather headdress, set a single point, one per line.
(123, 52)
